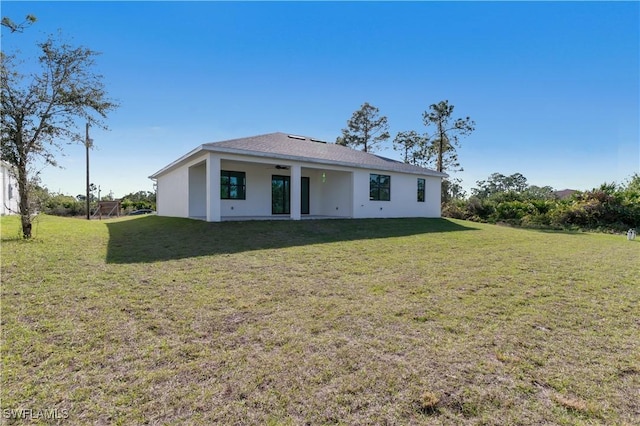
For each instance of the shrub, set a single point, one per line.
(513, 211)
(536, 220)
(479, 208)
(597, 209)
(543, 206)
(63, 205)
(608, 208)
(455, 209)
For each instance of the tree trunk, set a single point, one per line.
(366, 139)
(26, 226)
(440, 149)
(23, 192)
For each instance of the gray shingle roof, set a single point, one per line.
(303, 148)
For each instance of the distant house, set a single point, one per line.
(565, 193)
(295, 177)
(8, 189)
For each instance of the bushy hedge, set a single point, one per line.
(598, 210)
(64, 205)
(128, 205)
(605, 209)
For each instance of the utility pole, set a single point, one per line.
(87, 144)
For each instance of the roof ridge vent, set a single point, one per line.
(301, 138)
(317, 140)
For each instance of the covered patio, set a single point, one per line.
(264, 190)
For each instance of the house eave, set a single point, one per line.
(425, 172)
(177, 162)
(276, 156)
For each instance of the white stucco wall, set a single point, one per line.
(334, 191)
(172, 198)
(433, 197)
(328, 197)
(198, 190)
(258, 191)
(404, 201)
(8, 191)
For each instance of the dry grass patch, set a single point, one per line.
(428, 403)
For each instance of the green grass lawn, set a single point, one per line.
(153, 320)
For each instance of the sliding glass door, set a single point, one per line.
(281, 195)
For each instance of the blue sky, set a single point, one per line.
(553, 87)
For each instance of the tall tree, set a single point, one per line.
(452, 189)
(497, 182)
(41, 110)
(366, 129)
(445, 139)
(413, 147)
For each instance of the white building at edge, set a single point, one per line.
(8, 190)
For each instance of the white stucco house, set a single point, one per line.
(278, 175)
(8, 189)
